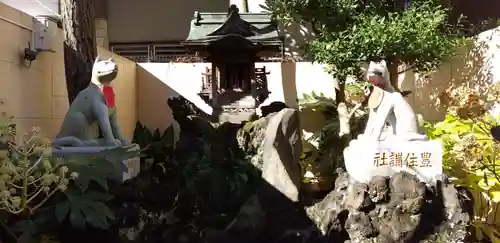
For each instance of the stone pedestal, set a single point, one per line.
(131, 165)
(366, 159)
(235, 107)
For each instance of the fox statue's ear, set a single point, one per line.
(97, 59)
(383, 63)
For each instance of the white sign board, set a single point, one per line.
(364, 160)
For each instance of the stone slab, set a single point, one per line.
(132, 168)
(364, 159)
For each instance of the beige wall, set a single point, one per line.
(35, 95)
(478, 65)
(125, 91)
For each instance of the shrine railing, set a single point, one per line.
(167, 51)
(171, 51)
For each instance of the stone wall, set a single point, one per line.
(101, 33)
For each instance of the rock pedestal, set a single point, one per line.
(397, 209)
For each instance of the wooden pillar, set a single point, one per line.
(253, 83)
(215, 85)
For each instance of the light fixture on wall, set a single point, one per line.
(38, 38)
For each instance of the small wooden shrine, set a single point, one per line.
(233, 42)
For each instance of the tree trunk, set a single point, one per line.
(344, 118)
(245, 6)
(79, 44)
(394, 75)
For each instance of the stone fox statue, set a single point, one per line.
(387, 105)
(93, 105)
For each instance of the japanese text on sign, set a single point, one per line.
(398, 159)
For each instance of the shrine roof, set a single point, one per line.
(254, 27)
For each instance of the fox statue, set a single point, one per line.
(94, 105)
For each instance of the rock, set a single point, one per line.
(251, 139)
(330, 213)
(281, 154)
(379, 189)
(358, 226)
(397, 209)
(358, 198)
(274, 107)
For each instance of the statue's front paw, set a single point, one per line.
(124, 142)
(113, 142)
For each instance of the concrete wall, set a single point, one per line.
(35, 95)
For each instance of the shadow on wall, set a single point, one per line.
(474, 66)
(152, 96)
(296, 36)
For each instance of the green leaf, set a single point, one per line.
(495, 196)
(93, 217)
(77, 218)
(101, 209)
(88, 208)
(487, 183)
(97, 196)
(62, 210)
(156, 135)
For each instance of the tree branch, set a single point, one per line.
(353, 111)
(406, 69)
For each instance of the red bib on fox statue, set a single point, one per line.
(109, 96)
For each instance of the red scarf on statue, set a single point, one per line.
(109, 96)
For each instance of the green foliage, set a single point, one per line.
(85, 208)
(348, 32)
(85, 202)
(28, 177)
(328, 108)
(156, 147)
(203, 182)
(319, 102)
(470, 157)
(323, 149)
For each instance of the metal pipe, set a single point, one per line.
(16, 24)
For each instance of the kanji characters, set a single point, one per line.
(426, 159)
(399, 159)
(380, 159)
(396, 159)
(411, 160)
